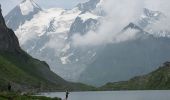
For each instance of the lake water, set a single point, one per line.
(113, 95)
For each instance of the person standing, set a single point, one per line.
(67, 93)
(9, 87)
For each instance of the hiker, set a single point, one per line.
(9, 87)
(67, 93)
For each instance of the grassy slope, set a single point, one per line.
(156, 80)
(10, 73)
(25, 72)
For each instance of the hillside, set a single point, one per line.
(25, 72)
(156, 80)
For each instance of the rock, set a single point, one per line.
(8, 40)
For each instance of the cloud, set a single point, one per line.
(94, 39)
(158, 5)
(119, 14)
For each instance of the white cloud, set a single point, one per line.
(119, 14)
(94, 39)
(159, 5)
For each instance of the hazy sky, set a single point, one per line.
(7, 5)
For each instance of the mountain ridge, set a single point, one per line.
(155, 80)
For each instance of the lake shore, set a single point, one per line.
(113, 95)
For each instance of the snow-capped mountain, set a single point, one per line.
(83, 23)
(149, 17)
(22, 13)
(46, 34)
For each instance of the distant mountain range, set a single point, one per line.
(22, 71)
(46, 34)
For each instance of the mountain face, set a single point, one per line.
(8, 40)
(88, 6)
(51, 41)
(156, 80)
(149, 17)
(22, 13)
(84, 23)
(23, 71)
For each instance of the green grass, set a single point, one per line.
(22, 70)
(16, 96)
(9, 72)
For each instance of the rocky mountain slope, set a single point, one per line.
(156, 80)
(23, 71)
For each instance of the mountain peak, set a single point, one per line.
(28, 6)
(150, 13)
(22, 13)
(132, 26)
(90, 5)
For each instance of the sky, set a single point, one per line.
(7, 5)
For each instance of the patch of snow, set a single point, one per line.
(87, 16)
(41, 49)
(28, 50)
(156, 14)
(101, 3)
(77, 60)
(94, 54)
(143, 16)
(26, 7)
(65, 59)
(66, 48)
